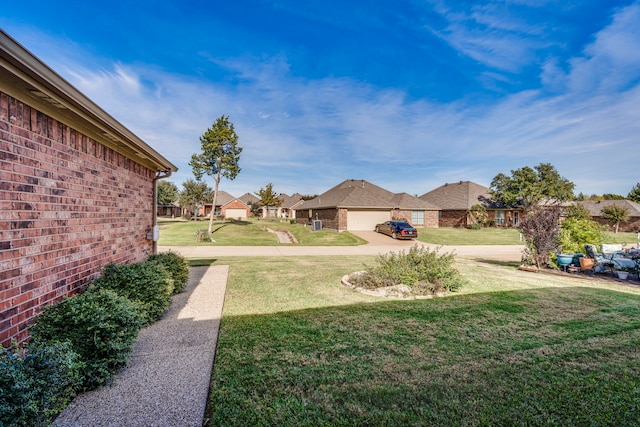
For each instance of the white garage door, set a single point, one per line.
(236, 213)
(366, 220)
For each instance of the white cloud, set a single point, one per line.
(307, 135)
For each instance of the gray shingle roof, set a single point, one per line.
(249, 198)
(458, 196)
(290, 202)
(359, 193)
(596, 207)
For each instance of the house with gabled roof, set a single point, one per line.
(227, 206)
(595, 210)
(456, 199)
(358, 205)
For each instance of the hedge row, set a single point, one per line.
(79, 343)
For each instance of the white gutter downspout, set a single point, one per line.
(155, 233)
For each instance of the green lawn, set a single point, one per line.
(296, 348)
(253, 233)
(248, 233)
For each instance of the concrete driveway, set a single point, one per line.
(379, 239)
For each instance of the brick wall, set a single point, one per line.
(329, 217)
(68, 206)
(430, 218)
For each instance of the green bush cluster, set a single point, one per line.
(425, 271)
(37, 383)
(101, 326)
(177, 267)
(79, 343)
(576, 232)
(147, 284)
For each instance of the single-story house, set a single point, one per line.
(222, 199)
(455, 199)
(172, 210)
(227, 206)
(359, 205)
(235, 209)
(595, 210)
(77, 190)
(252, 201)
(287, 208)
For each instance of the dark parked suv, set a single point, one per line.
(397, 229)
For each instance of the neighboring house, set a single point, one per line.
(287, 208)
(252, 201)
(632, 225)
(77, 190)
(455, 200)
(222, 199)
(359, 205)
(235, 209)
(173, 210)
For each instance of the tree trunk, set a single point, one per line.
(215, 199)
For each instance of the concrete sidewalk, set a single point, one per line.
(503, 252)
(166, 382)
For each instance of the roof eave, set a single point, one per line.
(29, 80)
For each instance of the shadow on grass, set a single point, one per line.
(502, 263)
(201, 262)
(469, 360)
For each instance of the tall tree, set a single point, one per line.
(194, 195)
(528, 186)
(167, 193)
(615, 214)
(268, 197)
(634, 194)
(219, 157)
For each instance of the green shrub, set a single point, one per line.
(148, 284)
(423, 270)
(101, 326)
(177, 267)
(36, 384)
(575, 232)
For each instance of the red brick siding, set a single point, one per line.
(430, 218)
(453, 218)
(329, 217)
(68, 206)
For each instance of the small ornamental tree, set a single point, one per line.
(540, 229)
(477, 216)
(268, 197)
(615, 214)
(219, 157)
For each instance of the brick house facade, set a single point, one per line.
(358, 205)
(231, 209)
(76, 190)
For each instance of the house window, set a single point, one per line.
(516, 219)
(500, 218)
(417, 217)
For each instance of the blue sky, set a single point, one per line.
(407, 94)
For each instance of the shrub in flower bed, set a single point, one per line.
(101, 327)
(147, 284)
(177, 267)
(37, 383)
(425, 271)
